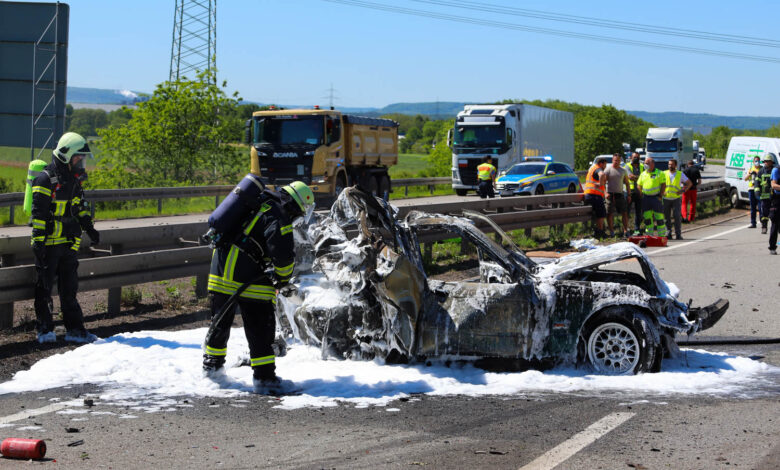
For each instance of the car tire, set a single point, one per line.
(539, 190)
(734, 198)
(572, 188)
(461, 192)
(620, 342)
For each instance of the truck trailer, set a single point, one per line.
(323, 148)
(667, 143)
(507, 133)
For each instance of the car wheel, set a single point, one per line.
(734, 198)
(572, 188)
(461, 192)
(619, 344)
(539, 190)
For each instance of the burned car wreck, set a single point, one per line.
(361, 292)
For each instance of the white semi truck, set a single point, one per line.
(667, 143)
(507, 133)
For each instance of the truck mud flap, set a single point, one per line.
(710, 314)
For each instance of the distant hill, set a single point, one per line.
(448, 110)
(102, 96)
(675, 119)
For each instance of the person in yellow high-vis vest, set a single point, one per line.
(676, 184)
(486, 175)
(652, 184)
(634, 170)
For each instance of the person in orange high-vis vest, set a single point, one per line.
(595, 191)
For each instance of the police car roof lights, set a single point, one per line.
(540, 158)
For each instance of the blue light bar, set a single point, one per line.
(540, 158)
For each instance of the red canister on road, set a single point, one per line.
(17, 448)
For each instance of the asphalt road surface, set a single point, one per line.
(525, 431)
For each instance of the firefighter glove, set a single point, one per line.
(94, 236)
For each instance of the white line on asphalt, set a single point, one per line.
(695, 241)
(576, 443)
(30, 413)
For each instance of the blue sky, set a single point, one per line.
(291, 51)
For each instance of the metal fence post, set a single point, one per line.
(11, 210)
(7, 310)
(159, 205)
(115, 293)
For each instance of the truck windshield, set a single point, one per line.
(661, 145)
(479, 136)
(292, 130)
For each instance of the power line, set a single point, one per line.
(553, 32)
(604, 23)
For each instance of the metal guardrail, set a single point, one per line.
(113, 272)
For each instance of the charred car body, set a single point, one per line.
(362, 292)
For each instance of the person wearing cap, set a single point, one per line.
(59, 214)
(260, 260)
(763, 189)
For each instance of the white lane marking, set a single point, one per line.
(695, 241)
(576, 443)
(30, 413)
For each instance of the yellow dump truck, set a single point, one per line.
(324, 148)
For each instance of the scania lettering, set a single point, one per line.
(323, 148)
(508, 133)
(667, 143)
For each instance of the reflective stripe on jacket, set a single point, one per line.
(592, 185)
(632, 171)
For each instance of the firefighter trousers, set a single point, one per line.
(61, 264)
(259, 326)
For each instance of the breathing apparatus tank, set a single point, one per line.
(33, 170)
(233, 212)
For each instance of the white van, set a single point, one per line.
(739, 157)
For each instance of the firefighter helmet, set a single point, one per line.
(70, 144)
(301, 194)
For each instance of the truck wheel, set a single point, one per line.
(618, 343)
(341, 183)
(372, 187)
(461, 192)
(384, 185)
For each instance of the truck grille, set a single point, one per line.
(286, 170)
(468, 174)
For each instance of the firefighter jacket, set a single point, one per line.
(763, 186)
(267, 240)
(59, 212)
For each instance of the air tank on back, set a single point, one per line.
(228, 218)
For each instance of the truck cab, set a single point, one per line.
(666, 143)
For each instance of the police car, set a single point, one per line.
(538, 175)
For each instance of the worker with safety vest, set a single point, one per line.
(486, 174)
(652, 185)
(751, 177)
(259, 261)
(634, 169)
(59, 214)
(676, 184)
(763, 189)
(595, 193)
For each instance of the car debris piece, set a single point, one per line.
(361, 292)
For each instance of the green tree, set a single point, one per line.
(440, 158)
(598, 131)
(179, 136)
(86, 121)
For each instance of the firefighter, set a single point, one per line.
(59, 214)
(486, 174)
(266, 242)
(763, 189)
(652, 185)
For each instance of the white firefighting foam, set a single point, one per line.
(157, 366)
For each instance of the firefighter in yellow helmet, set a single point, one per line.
(59, 214)
(246, 272)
